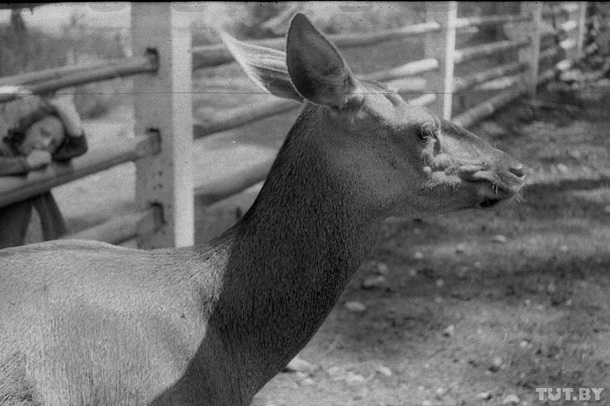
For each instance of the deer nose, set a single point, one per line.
(517, 169)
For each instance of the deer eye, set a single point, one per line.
(427, 131)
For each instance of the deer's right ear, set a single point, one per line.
(317, 69)
(266, 67)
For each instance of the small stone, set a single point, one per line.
(308, 382)
(440, 283)
(449, 331)
(440, 391)
(484, 396)
(413, 272)
(335, 371)
(575, 154)
(298, 365)
(355, 307)
(462, 273)
(496, 364)
(460, 248)
(384, 370)
(524, 344)
(511, 399)
(562, 168)
(527, 302)
(353, 378)
(364, 392)
(418, 256)
(374, 282)
(381, 268)
(569, 302)
(499, 239)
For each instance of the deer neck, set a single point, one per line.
(291, 255)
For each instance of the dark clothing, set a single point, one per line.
(15, 218)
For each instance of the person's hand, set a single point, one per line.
(8, 93)
(64, 104)
(17, 91)
(38, 159)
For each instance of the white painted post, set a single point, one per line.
(163, 103)
(441, 45)
(531, 54)
(582, 27)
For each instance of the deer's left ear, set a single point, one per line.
(317, 69)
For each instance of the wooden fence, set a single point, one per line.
(162, 69)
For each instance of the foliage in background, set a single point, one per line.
(24, 49)
(598, 35)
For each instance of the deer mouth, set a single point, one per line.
(491, 188)
(491, 202)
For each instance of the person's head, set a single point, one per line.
(41, 130)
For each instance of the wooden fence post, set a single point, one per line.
(441, 45)
(531, 54)
(163, 103)
(582, 28)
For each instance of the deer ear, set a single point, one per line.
(316, 68)
(266, 67)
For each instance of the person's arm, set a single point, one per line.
(64, 105)
(21, 165)
(13, 166)
(75, 143)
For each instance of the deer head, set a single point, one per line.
(409, 161)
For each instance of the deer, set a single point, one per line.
(89, 323)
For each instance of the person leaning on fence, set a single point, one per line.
(53, 132)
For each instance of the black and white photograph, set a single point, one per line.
(305, 203)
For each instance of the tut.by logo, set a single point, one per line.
(580, 394)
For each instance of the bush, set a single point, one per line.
(26, 49)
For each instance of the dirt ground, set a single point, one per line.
(482, 308)
(470, 308)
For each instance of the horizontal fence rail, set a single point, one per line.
(53, 80)
(486, 50)
(409, 69)
(227, 186)
(470, 81)
(488, 107)
(244, 115)
(123, 228)
(563, 9)
(482, 21)
(18, 188)
(215, 55)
